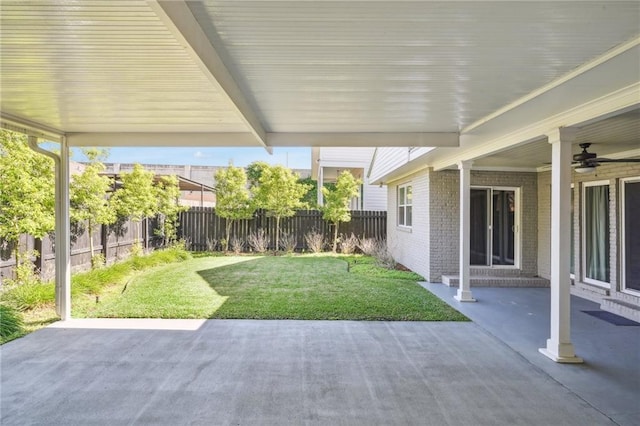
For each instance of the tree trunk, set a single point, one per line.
(335, 236)
(90, 230)
(277, 234)
(226, 242)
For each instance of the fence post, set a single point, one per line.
(39, 260)
(104, 241)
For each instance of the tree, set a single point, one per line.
(27, 191)
(233, 199)
(136, 198)
(168, 195)
(311, 197)
(280, 194)
(254, 172)
(88, 199)
(336, 201)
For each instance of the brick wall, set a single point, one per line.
(431, 247)
(610, 172)
(410, 247)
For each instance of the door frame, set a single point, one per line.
(583, 232)
(623, 259)
(517, 250)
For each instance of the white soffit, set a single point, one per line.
(419, 66)
(104, 66)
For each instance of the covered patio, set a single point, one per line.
(465, 77)
(229, 372)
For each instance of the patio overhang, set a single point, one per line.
(477, 80)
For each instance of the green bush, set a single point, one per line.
(28, 295)
(93, 282)
(10, 323)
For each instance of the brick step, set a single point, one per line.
(622, 308)
(489, 281)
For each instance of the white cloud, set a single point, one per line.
(200, 154)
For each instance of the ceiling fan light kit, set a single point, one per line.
(585, 169)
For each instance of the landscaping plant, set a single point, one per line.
(336, 202)
(315, 241)
(348, 244)
(10, 323)
(258, 241)
(280, 194)
(233, 200)
(88, 198)
(26, 192)
(168, 207)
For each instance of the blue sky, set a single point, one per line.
(295, 158)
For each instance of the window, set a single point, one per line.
(494, 227)
(595, 234)
(405, 205)
(630, 235)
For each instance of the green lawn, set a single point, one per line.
(286, 287)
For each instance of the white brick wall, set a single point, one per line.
(410, 247)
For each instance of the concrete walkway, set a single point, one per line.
(277, 373)
(609, 379)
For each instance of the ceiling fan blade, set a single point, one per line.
(621, 160)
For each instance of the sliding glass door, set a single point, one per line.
(630, 191)
(493, 226)
(595, 237)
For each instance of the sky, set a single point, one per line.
(293, 157)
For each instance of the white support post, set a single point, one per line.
(559, 347)
(63, 234)
(464, 291)
(320, 197)
(62, 227)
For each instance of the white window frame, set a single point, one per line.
(573, 197)
(404, 203)
(516, 219)
(583, 236)
(623, 259)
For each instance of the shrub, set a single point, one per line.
(368, 246)
(28, 295)
(136, 250)
(98, 261)
(383, 257)
(237, 245)
(288, 242)
(10, 322)
(258, 241)
(315, 241)
(348, 244)
(212, 244)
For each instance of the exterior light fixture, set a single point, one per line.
(585, 169)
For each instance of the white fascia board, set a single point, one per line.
(180, 21)
(437, 139)
(482, 146)
(31, 128)
(142, 139)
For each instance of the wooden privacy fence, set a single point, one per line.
(203, 229)
(113, 242)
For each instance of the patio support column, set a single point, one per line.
(62, 227)
(320, 197)
(464, 291)
(559, 347)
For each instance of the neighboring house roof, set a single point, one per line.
(184, 183)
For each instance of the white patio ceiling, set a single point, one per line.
(254, 73)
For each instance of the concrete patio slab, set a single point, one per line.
(609, 378)
(280, 373)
